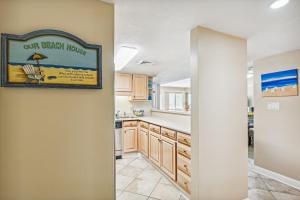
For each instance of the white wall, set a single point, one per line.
(219, 116)
(277, 133)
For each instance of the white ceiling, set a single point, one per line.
(160, 29)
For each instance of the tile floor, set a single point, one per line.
(137, 179)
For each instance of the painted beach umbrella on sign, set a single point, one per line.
(37, 57)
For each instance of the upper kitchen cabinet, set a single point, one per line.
(140, 87)
(123, 84)
(133, 85)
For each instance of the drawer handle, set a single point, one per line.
(185, 183)
(185, 166)
(185, 140)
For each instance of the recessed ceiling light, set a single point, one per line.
(124, 55)
(279, 3)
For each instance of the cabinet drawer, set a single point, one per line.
(144, 125)
(168, 133)
(184, 181)
(184, 151)
(130, 124)
(184, 139)
(143, 129)
(184, 165)
(154, 128)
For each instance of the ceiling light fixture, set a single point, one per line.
(124, 55)
(279, 3)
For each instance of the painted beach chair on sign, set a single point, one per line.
(33, 74)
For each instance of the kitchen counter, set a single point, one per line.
(162, 122)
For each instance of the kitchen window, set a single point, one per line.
(176, 101)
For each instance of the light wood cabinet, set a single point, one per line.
(143, 141)
(154, 148)
(184, 181)
(168, 133)
(184, 164)
(168, 157)
(140, 87)
(129, 139)
(184, 156)
(168, 149)
(130, 124)
(123, 82)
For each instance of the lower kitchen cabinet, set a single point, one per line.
(184, 181)
(143, 141)
(154, 148)
(130, 139)
(168, 149)
(168, 157)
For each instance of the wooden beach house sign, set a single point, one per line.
(50, 58)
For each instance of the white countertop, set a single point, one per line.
(162, 122)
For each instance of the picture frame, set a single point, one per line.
(280, 83)
(50, 59)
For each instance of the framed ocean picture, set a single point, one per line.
(279, 84)
(50, 58)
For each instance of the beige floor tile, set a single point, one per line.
(284, 196)
(140, 163)
(119, 167)
(123, 181)
(131, 196)
(152, 175)
(256, 183)
(166, 192)
(125, 161)
(257, 194)
(118, 192)
(276, 186)
(150, 167)
(143, 187)
(131, 155)
(164, 180)
(130, 171)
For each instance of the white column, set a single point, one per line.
(219, 116)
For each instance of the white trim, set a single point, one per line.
(278, 177)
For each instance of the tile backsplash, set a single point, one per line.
(123, 104)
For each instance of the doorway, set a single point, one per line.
(250, 92)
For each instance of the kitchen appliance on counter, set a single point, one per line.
(118, 139)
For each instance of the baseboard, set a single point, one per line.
(278, 177)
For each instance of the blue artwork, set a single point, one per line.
(278, 84)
